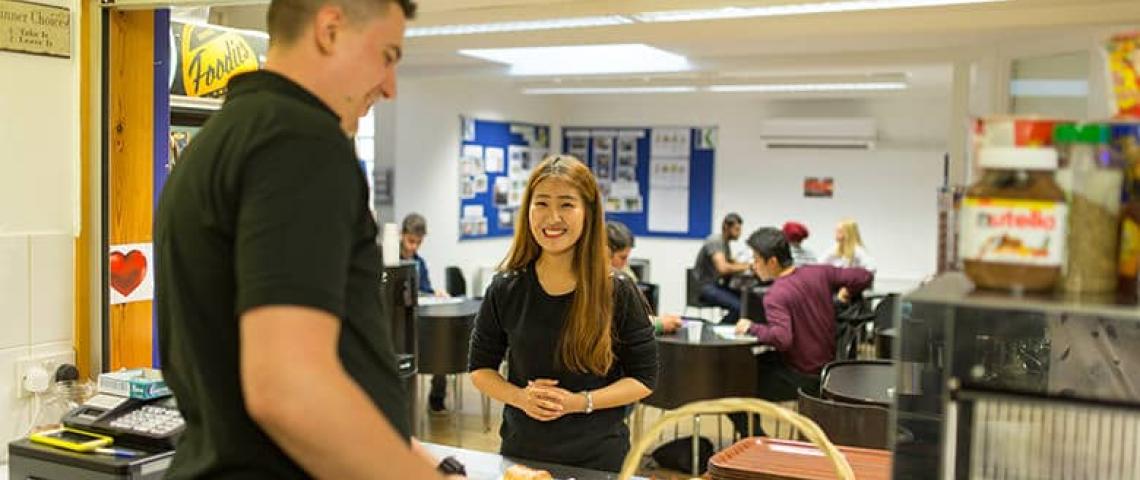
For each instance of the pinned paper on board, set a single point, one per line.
(466, 187)
(520, 162)
(474, 221)
(502, 192)
(671, 142)
(493, 159)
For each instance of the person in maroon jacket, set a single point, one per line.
(799, 319)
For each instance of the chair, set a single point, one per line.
(847, 424)
(456, 285)
(693, 297)
(850, 325)
(884, 324)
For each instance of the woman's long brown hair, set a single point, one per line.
(586, 344)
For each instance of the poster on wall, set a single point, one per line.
(131, 267)
(658, 181)
(496, 160)
(819, 187)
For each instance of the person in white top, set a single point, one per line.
(848, 250)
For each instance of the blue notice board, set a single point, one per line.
(495, 161)
(658, 181)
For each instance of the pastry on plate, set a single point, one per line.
(520, 472)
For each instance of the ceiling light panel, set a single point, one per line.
(795, 9)
(809, 87)
(584, 59)
(521, 26)
(607, 90)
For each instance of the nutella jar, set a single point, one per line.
(1014, 221)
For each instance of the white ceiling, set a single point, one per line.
(919, 42)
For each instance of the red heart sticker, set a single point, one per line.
(127, 271)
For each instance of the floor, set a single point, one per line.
(465, 428)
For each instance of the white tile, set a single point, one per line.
(14, 291)
(52, 307)
(13, 411)
(52, 348)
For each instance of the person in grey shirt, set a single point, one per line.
(715, 265)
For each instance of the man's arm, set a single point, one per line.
(852, 280)
(289, 370)
(724, 267)
(777, 332)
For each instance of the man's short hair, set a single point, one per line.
(768, 242)
(731, 220)
(414, 224)
(619, 236)
(286, 18)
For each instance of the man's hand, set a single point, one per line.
(742, 326)
(844, 296)
(670, 323)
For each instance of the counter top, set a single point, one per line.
(490, 466)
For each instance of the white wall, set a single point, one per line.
(39, 141)
(427, 161)
(889, 191)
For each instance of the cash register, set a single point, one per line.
(135, 409)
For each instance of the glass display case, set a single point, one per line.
(996, 385)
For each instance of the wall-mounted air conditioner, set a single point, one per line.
(819, 133)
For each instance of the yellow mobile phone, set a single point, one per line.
(71, 439)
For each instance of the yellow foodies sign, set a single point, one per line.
(209, 57)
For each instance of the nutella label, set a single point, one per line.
(1023, 232)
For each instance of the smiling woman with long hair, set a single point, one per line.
(579, 339)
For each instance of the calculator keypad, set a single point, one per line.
(151, 421)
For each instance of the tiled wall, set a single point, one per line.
(36, 314)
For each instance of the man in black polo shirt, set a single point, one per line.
(268, 275)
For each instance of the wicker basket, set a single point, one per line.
(805, 426)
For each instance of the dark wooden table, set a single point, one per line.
(443, 340)
(709, 368)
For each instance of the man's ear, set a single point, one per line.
(327, 26)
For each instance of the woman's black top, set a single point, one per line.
(519, 317)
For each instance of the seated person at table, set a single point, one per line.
(577, 333)
(621, 242)
(800, 321)
(715, 266)
(795, 233)
(411, 237)
(848, 250)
